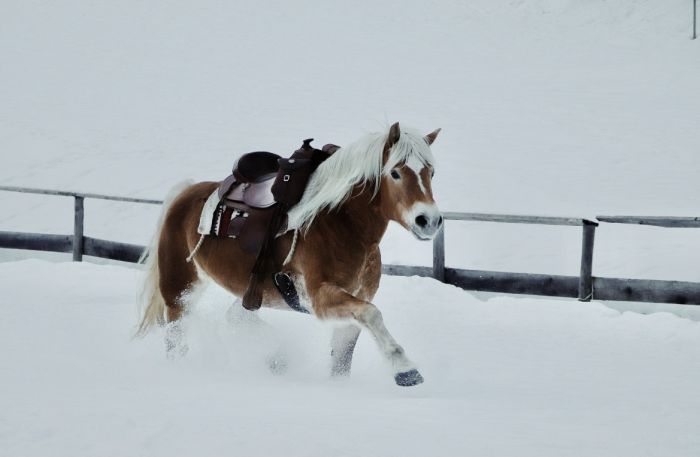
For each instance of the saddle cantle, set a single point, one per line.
(253, 168)
(255, 198)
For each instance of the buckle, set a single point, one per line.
(279, 275)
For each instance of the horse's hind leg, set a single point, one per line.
(342, 347)
(178, 279)
(244, 319)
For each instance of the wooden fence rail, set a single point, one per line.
(78, 243)
(492, 281)
(676, 222)
(584, 287)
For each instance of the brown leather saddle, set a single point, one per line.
(254, 200)
(247, 203)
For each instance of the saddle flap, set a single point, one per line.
(248, 225)
(255, 194)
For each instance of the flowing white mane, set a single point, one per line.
(358, 163)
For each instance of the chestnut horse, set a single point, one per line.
(331, 244)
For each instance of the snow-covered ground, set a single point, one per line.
(554, 107)
(512, 376)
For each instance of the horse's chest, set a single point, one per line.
(357, 274)
(366, 280)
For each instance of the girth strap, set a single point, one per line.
(289, 185)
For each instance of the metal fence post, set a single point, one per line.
(78, 220)
(585, 280)
(439, 255)
(695, 18)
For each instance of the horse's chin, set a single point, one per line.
(421, 235)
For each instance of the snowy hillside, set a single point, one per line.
(547, 107)
(509, 377)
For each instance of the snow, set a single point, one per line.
(511, 376)
(562, 108)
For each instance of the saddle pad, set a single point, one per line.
(206, 219)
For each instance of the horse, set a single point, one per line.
(331, 245)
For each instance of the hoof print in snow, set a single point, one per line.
(408, 378)
(277, 364)
(176, 352)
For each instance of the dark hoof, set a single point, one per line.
(408, 378)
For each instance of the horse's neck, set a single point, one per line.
(359, 218)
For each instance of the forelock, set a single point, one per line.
(411, 149)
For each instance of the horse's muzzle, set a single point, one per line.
(426, 225)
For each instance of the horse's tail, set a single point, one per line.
(151, 299)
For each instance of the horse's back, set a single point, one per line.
(184, 212)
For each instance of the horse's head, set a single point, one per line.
(407, 194)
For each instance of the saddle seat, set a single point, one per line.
(251, 180)
(257, 194)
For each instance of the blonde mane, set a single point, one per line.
(360, 163)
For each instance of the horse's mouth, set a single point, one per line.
(421, 235)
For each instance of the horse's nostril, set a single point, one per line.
(421, 221)
(440, 221)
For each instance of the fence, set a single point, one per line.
(78, 243)
(584, 287)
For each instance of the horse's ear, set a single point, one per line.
(430, 137)
(394, 133)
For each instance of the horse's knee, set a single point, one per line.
(369, 316)
(174, 304)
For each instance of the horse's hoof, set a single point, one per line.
(408, 378)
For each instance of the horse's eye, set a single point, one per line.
(432, 173)
(395, 174)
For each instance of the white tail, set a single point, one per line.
(151, 300)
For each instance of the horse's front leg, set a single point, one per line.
(342, 347)
(332, 302)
